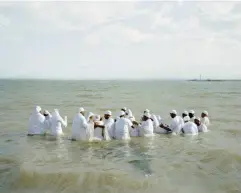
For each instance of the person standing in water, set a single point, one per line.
(135, 131)
(201, 127)
(109, 122)
(176, 124)
(47, 124)
(205, 120)
(36, 122)
(146, 128)
(100, 131)
(79, 125)
(56, 123)
(191, 114)
(123, 127)
(189, 128)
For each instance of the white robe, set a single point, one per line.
(79, 127)
(90, 131)
(130, 115)
(109, 126)
(155, 122)
(202, 128)
(205, 121)
(190, 128)
(123, 128)
(36, 123)
(135, 132)
(98, 132)
(56, 123)
(146, 128)
(47, 123)
(176, 124)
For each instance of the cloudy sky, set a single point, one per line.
(115, 40)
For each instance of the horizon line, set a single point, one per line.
(122, 79)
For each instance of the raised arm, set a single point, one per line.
(64, 122)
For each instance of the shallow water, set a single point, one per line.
(209, 162)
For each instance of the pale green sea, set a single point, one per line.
(207, 163)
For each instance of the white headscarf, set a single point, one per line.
(37, 109)
(89, 115)
(97, 118)
(56, 114)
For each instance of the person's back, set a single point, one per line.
(56, 123)
(122, 128)
(176, 124)
(36, 122)
(190, 128)
(79, 127)
(205, 121)
(202, 128)
(109, 126)
(146, 128)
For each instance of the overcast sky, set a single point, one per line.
(88, 40)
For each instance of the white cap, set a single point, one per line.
(148, 115)
(124, 108)
(192, 111)
(108, 113)
(187, 118)
(38, 108)
(185, 112)
(121, 113)
(90, 114)
(174, 112)
(197, 118)
(205, 112)
(46, 112)
(97, 118)
(81, 109)
(147, 111)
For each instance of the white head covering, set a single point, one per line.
(192, 111)
(46, 112)
(129, 113)
(148, 115)
(197, 118)
(108, 113)
(56, 114)
(185, 112)
(205, 112)
(124, 108)
(187, 118)
(89, 115)
(97, 118)
(81, 109)
(121, 113)
(174, 112)
(147, 111)
(38, 109)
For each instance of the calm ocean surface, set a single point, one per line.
(207, 163)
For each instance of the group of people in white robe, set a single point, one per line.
(94, 127)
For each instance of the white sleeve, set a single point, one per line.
(173, 125)
(63, 122)
(84, 122)
(129, 123)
